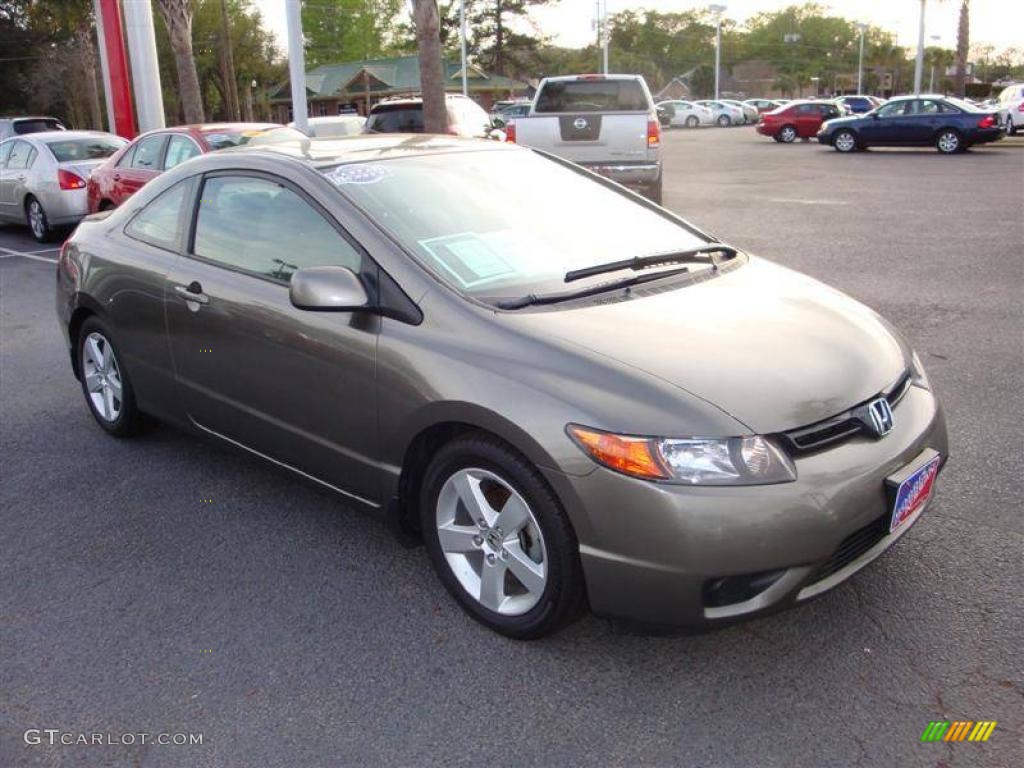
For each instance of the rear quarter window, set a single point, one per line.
(592, 96)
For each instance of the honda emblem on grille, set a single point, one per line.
(880, 413)
(579, 123)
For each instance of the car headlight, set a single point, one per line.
(917, 375)
(751, 460)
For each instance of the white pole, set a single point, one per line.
(149, 100)
(462, 37)
(919, 62)
(718, 50)
(860, 61)
(297, 66)
(104, 66)
(604, 36)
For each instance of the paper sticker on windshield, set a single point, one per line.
(467, 258)
(358, 173)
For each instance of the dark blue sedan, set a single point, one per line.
(949, 125)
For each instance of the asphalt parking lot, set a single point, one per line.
(290, 630)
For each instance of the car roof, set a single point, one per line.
(572, 78)
(62, 135)
(325, 152)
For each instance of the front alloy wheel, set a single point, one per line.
(787, 134)
(498, 538)
(491, 541)
(845, 141)
(724, 121)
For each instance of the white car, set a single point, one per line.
(1011, 108)
(725, 114)
(687, 114)
(750, 113)
(335, 127)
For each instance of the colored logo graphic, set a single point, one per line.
(958, 730)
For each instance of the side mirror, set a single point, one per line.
(328, 289)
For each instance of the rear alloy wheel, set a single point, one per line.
(948, 142)
(39, 225)
(724, 121)
(107, 390)
(499, 540)
(845, 141)
(788, 134)
(691, 122)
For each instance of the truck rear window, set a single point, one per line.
(592, 96)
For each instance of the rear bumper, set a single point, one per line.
(986, 135)
(660, 554)
(630, 174)
(65, 206)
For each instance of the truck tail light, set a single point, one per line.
(987, 121)
(1020, 107)
(510, 131)
(69, 180)
(653, 133)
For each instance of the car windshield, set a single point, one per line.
(91, 148)
(966, 106)
(499, 223)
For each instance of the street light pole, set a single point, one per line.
(919, 62)
(931, 79)
(860, 61)
(604, 37)
(718, 10)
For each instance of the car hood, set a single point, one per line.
(835, 122)
(771, 347)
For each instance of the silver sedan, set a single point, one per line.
(43, 177)
(687, 114)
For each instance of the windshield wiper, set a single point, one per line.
(654, 260)
(531, 299)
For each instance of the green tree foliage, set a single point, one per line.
(346, 30)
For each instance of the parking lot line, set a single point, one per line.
(8, 253)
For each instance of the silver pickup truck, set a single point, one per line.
(606, 123)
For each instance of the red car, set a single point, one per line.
(798, 119)
(127, 171)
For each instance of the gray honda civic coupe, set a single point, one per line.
(573, 395)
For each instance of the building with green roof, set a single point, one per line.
(332, 89)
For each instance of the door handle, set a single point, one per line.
(117, 177)
(192, 292)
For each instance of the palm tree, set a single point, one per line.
(428, 40)
(177, 15)
(963, 43)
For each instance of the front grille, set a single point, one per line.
(852, 547)
(821, 434)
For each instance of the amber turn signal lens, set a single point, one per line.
(629, 455)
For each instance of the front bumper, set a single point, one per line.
(629, 174)
(650, 551)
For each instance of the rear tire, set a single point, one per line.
(691, 122)
(653, 192)
(38, 223)
(1011, 129)
(105, 383)
(949, 142)
(724, 121)
(492, 475)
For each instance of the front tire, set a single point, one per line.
(38, 223)
(788, 134)
(105, 384)
(724, 121)
(691, 122)
(499, 540)
(948, 142)
(845, 142)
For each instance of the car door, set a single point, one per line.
(923, 119)
(807, 120)
(14, 178)
(886, 125)
(138, 167)
(5, 150)
(295, 386)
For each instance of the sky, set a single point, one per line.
(997, 22)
